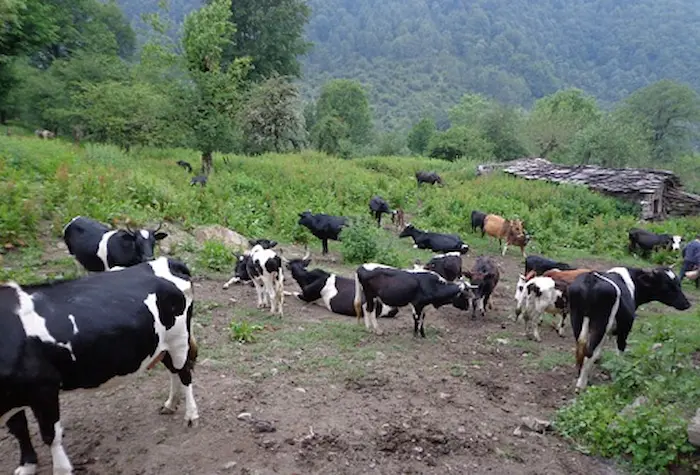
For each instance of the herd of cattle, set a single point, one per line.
(133, 310)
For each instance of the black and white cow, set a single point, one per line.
(265, 270)
(98, 248)
(428, 177)
(437, 242)
(336, 292)
(79, 334)
(378, 206)
(375, 283)
(240, 272)
(448, 265)
(647, 241)
(484, 275)
(185, 165)
(323, 226)
(541, 265)
(537, 296)
(477, 220)
(606, 303)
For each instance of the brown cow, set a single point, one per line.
(567, 276)
(511, 230)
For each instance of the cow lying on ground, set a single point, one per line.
(79, 334)
(240, 272)
(265, 270)
(377, 283)
(378, 206)
(428, 177)
(323, 226)
(477, 220)
(484, 275)
(185, 165)
(98, 248)
(541, 265)
(437, 242)
(336, 292)
(606, 302)
(509, 229)
(537, 296)
(647, 241)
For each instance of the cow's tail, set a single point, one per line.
(357, 301)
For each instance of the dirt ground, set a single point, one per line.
(326, 397)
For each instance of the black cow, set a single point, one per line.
(448, 266)
(484, 275)
(337, 292)
(98, 248)
(377, 206)
(434, 241)
(398, 288)
(79, 334)
(185, 165)
(240, 272)
(606, 302)
(478, 221)
(647, 241)
(541, 265)
(200, 180)
(323, 226)
(428, 177)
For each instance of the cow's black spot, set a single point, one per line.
(169, 308)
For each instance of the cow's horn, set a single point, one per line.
(307, 253)
(159, 226)
(131, 231)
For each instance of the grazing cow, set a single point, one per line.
(434, 241)
(79, 334)
(98, 248)
(647, 241)
(428, 177)
(478, 221)
(240, 272)
(200, 180)
(265, 270)
(397, 219)
(185, 165)
(44, 134)
(323, 226)
(484, 275)
(336, 292)
(606, 302)
(537, 296)
(377, 206)
(509, 229)
(377, 283)
(448, 265)
(541, 265)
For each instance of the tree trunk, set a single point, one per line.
(3, 117)
(206, 163)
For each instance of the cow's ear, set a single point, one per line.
(251, 243)
(273, 244)
(160, 235)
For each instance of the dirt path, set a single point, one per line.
(341, 401)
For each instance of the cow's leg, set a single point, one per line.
(173, 401)
(416, 319)
(505, 248)
(46, 411)
(232, 280)
(180, 382)
(560, 327)
(17, 425)
(279, 294)
(536, 319)
(324, 244)
(421, 321)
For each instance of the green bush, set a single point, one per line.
(359, 242)
(216, 256)
(243, 332)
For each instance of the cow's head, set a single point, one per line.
(465, 296)
(298, 264)
(144, 241)
(662, 284)
(520, 294)
(409, 230)
(306, 219)
(478, 280)
(265, 243)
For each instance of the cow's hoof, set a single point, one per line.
(192, 422)
(225, 286)
(167, 411)
(26, 469)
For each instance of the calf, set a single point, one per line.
(79, 334)
(397, 219)
(323, 226)
(540, 265)
(428, 177)
(98, 248)
(448, 266)
(200, 180)
(484, 275)
(537, 296)
(606, 302)
(240, 272)
(265, 270)
(509, 229)
(377, 283)
(336, 292)
(478, 221)
(648, 241)
(185, 165)
(377, 206)
(434, 241)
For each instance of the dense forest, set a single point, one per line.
(417, 57)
